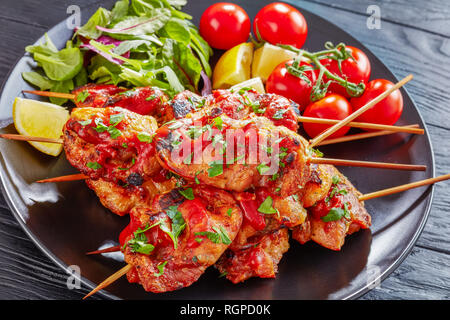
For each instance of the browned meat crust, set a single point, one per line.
(185, 264)
(259, 259)
(332, 234)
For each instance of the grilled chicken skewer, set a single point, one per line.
(151, 101)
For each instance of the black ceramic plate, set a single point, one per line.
(66, 220)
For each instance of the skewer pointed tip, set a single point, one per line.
(109, 280)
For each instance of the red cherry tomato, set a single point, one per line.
(280, 23)
(333, 106)
(285, 84)
(388, 111)
(355, 70)
(225, 25)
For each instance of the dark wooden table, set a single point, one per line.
(414, 38)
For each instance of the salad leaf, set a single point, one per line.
(38, 80)
(120, 10)
(63, 87)
(101, 17)
(62, 65)
(143, 25)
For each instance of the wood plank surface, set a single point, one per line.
(414, 37)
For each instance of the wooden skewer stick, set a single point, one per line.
(70, 177)
(51, 94)
(358, 112)
(404, 187)
(20, 137)
(110, 280)
(365, 125)
(359, 136)
(368, 164)
(110, 249)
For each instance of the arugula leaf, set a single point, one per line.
(120, 10)
(61, 86)
(101, 17)
(38, 80)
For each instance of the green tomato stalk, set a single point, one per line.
(338, 53)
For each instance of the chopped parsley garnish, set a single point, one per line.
(94, 165)
(124, 145)
(85, 122)
(215, 169)
(82, 96)
(133, 161)
(152, 97)
(336, 214)
(194, 132)
(145, 137)
(244, 90)
(223, 274)
(218, 123)
(188, 159)
(278, 115)
(317, 152)
(160, 268)
(139, 242)
(115, 119)
(114, 132)
(175, 125)
(262, 168)
(229, 211)
(196, 179)
(187, 193)
(266, 207)
(220, 235)
(335, 179)
(178, 224)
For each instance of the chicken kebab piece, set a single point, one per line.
(112, 146)
(170, 243)
(334, 209)
(152, 101)
(234, 154)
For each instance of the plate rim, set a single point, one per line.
(358, 293)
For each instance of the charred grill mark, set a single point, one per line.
(215, 112)
(315, 177)
(181, 108)
(172, 198)
(290, 157)
(135, 179)
(165, 143)
(295, 107)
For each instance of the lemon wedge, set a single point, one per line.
(233, 67)
(267, 58)
(254, 83)
(40, 119)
